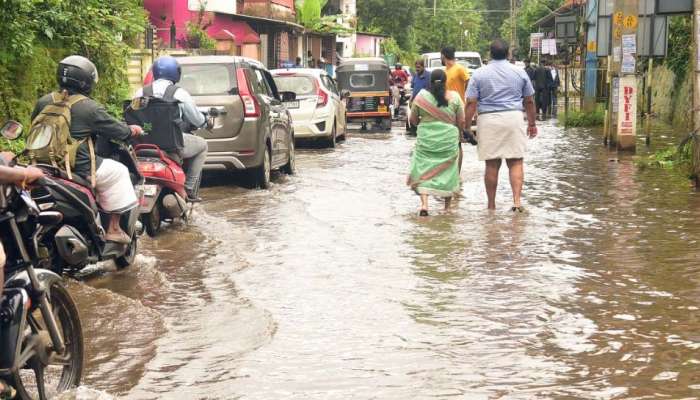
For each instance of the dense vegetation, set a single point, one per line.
(464, 24)
(38, 33)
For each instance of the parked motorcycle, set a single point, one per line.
(41, 340)
(79, 239)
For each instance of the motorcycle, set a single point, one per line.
(165, 198)
(41, 340)
(79, 239)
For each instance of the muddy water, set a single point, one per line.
(328, 286)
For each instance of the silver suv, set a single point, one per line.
(254, 130)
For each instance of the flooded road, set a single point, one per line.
(328, 286)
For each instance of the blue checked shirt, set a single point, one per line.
(499, 86)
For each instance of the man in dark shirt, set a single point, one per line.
(89, 120)
(421, 80)
(530, 71)
(542, 78)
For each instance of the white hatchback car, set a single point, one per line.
(319, 108)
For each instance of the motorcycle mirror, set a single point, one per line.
(11, 130)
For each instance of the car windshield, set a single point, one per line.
(300, 85)
(469, 62)
(434, 63)
(466, 62)
(207, 79)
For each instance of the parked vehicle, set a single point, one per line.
(41, 338)
(471, 60)
(255, 133)
(318, 111)
(78, 239)
(368, 81)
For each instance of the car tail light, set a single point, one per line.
(381, 101)
(322, 98)
(251, 108)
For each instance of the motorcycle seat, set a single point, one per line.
(155, 153)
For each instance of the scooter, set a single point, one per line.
(40, 325)
(80, 238)
(164, 198)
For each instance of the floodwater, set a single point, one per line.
(328, 286)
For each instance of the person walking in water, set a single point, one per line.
(439, 115)
(500, 92)
(457, 81)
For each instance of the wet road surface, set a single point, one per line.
(328, 286)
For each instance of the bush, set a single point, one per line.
(678, 158)
(580, 118)
(37, 34)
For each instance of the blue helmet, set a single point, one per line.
(167, 67)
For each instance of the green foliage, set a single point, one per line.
(309, 11)
(196, 37)
(580, 118)
(391, 48)
(453, 25)
(38, 33)
(529, 12)
(679, 46)
(677, 158)
(396, 18)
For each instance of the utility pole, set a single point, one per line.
(434, 8)
(623, 122)
(590, 87)
(513, 25)
(696, 91)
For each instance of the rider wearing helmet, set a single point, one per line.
(89, 120)
(399, 78)
(166, 73)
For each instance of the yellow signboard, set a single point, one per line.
(631, 22)
(617, 33)
(592, 46)
(619, 18)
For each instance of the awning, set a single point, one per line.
(238, 31)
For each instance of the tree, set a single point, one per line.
(448, 27)
(395, 18)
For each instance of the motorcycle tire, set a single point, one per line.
(130, 255)
(152, 221)
(66, 375)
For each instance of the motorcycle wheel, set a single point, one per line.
(130, 255)
(152, 221)
(38, 380)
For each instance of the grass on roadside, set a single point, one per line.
(678, 158)
(579, 118)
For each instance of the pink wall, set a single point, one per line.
(177, 10)
(368, 45)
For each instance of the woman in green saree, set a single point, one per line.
(439, 116)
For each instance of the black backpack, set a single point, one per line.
(160, 119)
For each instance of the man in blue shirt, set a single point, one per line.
(501, 91)
(421, 80)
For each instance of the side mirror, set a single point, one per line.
(11, 130)
(213, 112)
(344, 94)
(288, 96)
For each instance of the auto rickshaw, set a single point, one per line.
(367, 80)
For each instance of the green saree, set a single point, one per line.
(434, 165)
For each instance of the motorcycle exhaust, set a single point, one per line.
(71, 245)
(174, 205)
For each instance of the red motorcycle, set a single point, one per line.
(164, 197)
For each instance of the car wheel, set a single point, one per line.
(290, 167)
(262, 173)
(332, 139)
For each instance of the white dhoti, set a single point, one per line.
(115, 192)
(501, 135)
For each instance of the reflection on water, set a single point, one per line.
(328, 286)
